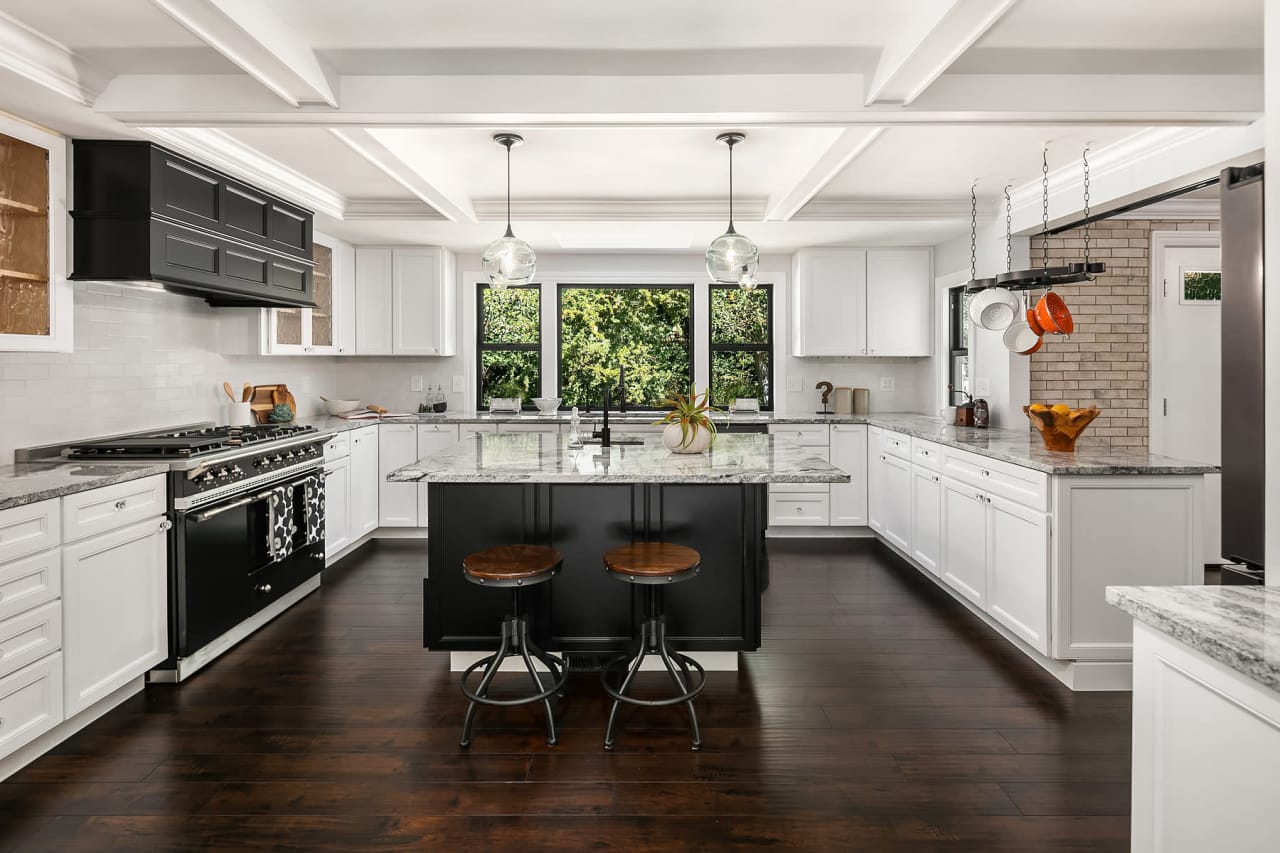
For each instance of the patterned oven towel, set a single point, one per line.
(313, 511)
(282, 526)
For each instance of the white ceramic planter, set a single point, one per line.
(698, 440)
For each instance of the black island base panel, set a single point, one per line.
(583, 609)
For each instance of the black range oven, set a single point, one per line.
(247, 505)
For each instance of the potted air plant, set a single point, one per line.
(689, 425)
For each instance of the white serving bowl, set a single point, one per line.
(547, 405)
(338, 407)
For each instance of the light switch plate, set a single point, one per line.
(459, 384)
(887, 383)
(981, 386)
(415, 383)
(793, 385)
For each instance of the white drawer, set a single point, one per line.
(30, 528)
(896, 444)
(30, 702)
(926, 454)
(30, 581)
(99, 510)
(799, 510)
(807, 435)
(1012, 482)
(338, 446)
(552, 428)
(798, 488)
(30, 636)
(468, 430)
(437, 428)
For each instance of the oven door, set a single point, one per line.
(235, 557)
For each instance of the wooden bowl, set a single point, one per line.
(1061, 429)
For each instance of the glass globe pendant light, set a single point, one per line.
(508, 261)
(731, 257)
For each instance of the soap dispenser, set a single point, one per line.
(575, 431)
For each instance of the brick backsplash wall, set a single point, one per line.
(1105, 362)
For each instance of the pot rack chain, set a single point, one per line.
(1044, 214)
(1084, 156)
(973, 231)
(1008, 230)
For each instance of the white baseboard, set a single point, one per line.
(399, 533)
(23, 756)
(818, 533)
(711, 662)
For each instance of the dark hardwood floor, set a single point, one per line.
(880, 715)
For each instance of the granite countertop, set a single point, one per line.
(547, 458)
(1018, 447)
(37, 481)
(1236, 625)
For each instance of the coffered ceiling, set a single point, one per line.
(866, 121)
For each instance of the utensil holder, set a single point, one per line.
(237, 414)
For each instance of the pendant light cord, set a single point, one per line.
(509, 232)
(731, 231)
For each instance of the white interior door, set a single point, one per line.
(1186, 371)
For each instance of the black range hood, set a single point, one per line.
(144, 213)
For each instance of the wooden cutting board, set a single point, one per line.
(264, 398)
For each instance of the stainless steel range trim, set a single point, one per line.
(231, 489)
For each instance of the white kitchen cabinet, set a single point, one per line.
(926, 518)
(849, 453)
(875, 479)
(964, 540)
(829, 302)
(115, 610)
(397, 502)
(337, 506)
(1018, 570)
(899, 313)
(31, 703)
(405, 301)
(432, 438)
(896, 488)
(862, 302)
(365, 465)
(548, 428)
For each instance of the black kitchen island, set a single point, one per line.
(496, 489)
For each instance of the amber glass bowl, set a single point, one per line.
(1060, 429)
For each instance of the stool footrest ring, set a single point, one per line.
(622, 661)
(558, 679)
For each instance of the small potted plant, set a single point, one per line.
(689, 425)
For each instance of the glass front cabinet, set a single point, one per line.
(309, 331)
(35, 297)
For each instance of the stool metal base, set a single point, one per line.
(515, 642)
(653, 640)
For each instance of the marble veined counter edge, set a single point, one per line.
(1016, 447)
(31, 482)
(1235, 625)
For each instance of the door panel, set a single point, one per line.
(964, 540)
(1018, 580)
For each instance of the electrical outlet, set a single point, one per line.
(887, 383)
(981, 387)
(459, 384)
(415, 383)
(793, 385)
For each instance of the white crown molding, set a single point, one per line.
(251, 35)
(386, 161)
(222, 151)
(42, 60)
(846, 148)
(380, 208)
(1176, 208)
(602, 210)
(902, 210)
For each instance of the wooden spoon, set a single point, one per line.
(226, 386)
(247, 394)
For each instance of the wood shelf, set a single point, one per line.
(24, 276)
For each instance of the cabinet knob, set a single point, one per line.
(935, 478)
(121, 504)
(264, 588)
(166, 524)
(986, 473)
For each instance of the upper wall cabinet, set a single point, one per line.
(862, 302)
(145, 213)
(405, 301)
(35, 299)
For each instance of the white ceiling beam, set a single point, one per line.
(222, 151)
(888, 210)
(390, 208)
(607, 210)
(1137, 100)
(930, 42)
(843, 151)
(365, 144)
(40, 59)
(254, 37)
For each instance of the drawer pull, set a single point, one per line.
(800, 510)
(935, 478)
(264, 588)
(986, 473)
(165, 524)
(121, 504)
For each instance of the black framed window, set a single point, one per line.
(740, 340)
(646, 328)
(958, 342)
(509, 343)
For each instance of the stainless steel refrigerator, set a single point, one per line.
(1243, 379)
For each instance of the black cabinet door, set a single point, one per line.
(186, 191)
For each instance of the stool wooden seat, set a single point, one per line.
(512, 564)
(655, 565)
(514, 567)
(652, 560)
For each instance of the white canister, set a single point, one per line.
(844, 401)
(237, 414)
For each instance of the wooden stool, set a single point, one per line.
(653, 564)
(513, 567)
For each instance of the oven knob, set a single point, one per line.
(279, 458)
(223, 473)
